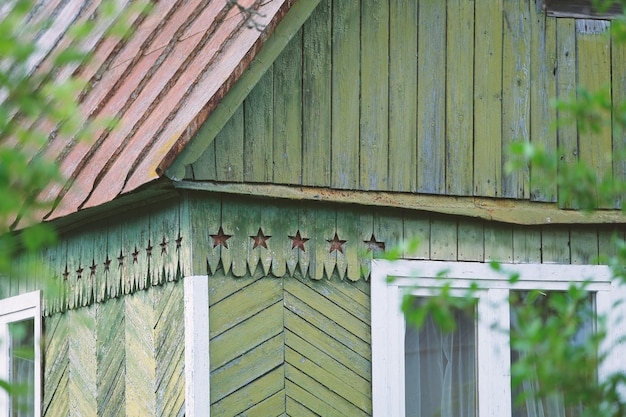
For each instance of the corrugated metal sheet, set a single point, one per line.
(161, 84)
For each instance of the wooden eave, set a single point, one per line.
(520, 212)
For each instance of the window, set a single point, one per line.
(585, 9)
(20, 356)
(466, 373)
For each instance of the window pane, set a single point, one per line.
(440, 375)
(22, 367)
(526, 402)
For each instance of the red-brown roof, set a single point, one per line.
(161, 83)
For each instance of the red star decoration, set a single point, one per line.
(298, 241)
(135, 255)
(107, 264)
(260, 239)
(163, 246)
(374, 245)
(92, 267)
(220, 238)
(336, 244)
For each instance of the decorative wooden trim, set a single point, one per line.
(197, 365)
(510, 211)
(286, 29)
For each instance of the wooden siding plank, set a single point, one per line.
(252, 394)
(328, 345)
(459, 133)
(403, 24)
(488, 99)
(515, 91)
(618, 95)
(239, 221)
(499, 243)
(110, 334)
(140, 355)
(348, 340)
(321, 305)
(366, 226)
(608, 241)
(316, 83)
(374, 117)
(417, 236)
(471, 244)
(258, 129)
(543, 60)
(325, 230)
(348, 230)
(527, 245)
(431, 97)
(278, 221)
(555, 245)
(346, 51)
(56, 363)
(584, 246)
(273, 405)
(252, 332)
(82, 361)
(443, 239)
(567, 132)
(205, 167)
(247, 302)
(246, 368)
(328, 380)
(342, 372)
(593, 52)
(345, 295)
(388, 228)
(229, 150)
(165, 229)
(169, 383)
(315, 388)
(301, 399)
(288, 113)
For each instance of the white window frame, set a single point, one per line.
(493, 351)
(13, 309)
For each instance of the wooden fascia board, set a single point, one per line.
(521, 212)
(284, 32)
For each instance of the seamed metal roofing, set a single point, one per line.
(161, 83)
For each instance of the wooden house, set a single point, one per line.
(217, 248)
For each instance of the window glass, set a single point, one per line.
(22, 367)
(440, 375)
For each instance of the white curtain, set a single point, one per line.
(440, 377)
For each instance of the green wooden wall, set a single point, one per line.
(122, 357)
(420, 96)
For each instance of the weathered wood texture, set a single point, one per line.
(419, 96)
(289, 347)
(109, 259)
(318, 240)
(122, 357)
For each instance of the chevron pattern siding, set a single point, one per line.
(289, 347)
(121, 357)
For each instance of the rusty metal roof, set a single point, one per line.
(161, 84)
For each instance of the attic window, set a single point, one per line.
(584, 9)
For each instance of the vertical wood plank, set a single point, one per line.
(526, 245)
(110, 333)
(618, 96)
(567, 132)
(516, 91)
(205, 168)
(594, 69)
(488, 98)
(542, 88)
(471, 240)
(374, 121)
(258, 128)
(205, 213)
(498, 242)
(431, 97)
(459, 96)
(348, 229)
(417, 234)
(403, 24)
(56, 363)
(443, 238)
(229, 150)
(366, 229)
(346, 47)
(555, 245)
(584, 245)
(288, 113)
(239, 221)
(281, 222)
(316, 96)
